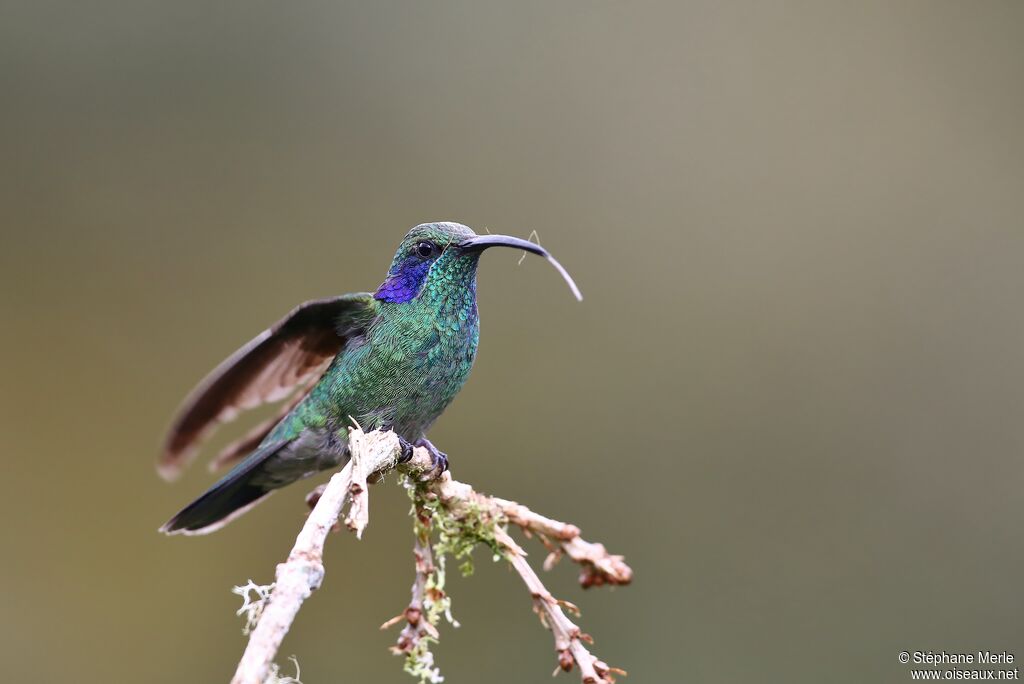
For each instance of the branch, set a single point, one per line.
(599, 567)
(462, 518)
(303, 572)
(568, 637)
(428, 602)
(467, 517)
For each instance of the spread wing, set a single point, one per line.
(291, 354)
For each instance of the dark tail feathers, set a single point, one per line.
(229, 498)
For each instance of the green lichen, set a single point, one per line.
(420, 662)
(457, 536)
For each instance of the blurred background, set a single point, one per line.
(791, 397)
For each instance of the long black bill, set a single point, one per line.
(481, 242)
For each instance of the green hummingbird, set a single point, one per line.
(391, 359)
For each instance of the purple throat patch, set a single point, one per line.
(404, 284)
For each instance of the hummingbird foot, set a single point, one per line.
(438, 459)
(407, 448)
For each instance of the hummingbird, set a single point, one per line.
(392, 359)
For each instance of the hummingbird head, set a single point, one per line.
(437, 257)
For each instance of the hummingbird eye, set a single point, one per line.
(426, 249)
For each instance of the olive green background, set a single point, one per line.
(791, 397)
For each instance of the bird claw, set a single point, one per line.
(438, 459)
(407, 448)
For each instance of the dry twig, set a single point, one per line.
(598, 566)
(304, 570)
(568, 637)
(462, 518)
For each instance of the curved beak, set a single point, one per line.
(482, 242)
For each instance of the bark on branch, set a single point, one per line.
(463, 518)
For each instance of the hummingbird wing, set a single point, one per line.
(293, 353)
(248, 442)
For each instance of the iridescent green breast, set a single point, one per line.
(406, 369)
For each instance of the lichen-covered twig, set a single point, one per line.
(471, 517)
(428, 602)
(461, 519)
